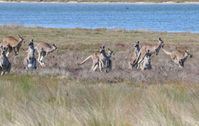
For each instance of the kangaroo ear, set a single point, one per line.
(20, 36)
(54, 45)
(187, 51)
(31, 40)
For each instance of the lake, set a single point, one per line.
(148, 17)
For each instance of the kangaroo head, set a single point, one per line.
(54, 46)
(109, 52)
(148, 53)
(187, 53)
(31, 44)
(137, 44)
(161, 43)
(21, 39)
(102, 49)
(3, 50)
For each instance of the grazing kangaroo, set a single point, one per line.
(43, 49)
(98, 58)
(154, 49)
(178, 57)
(5, 64)
(30, 61)
(146, 62)
(13, 43)
(135, 56)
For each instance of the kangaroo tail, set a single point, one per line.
(166, 52)
(85, 60)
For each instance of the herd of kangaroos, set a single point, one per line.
(141, 58)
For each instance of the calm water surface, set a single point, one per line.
(153, 17)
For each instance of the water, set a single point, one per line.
(152, 17)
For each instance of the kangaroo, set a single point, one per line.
(146, 62)
(30, 60)
(13, 43)
(5, 65)
(178, 57)
(154, 49)
(135, 56)
(137, 49)
(43, 49)
(108, 61)
(98, 58)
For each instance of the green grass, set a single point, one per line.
(50, 100)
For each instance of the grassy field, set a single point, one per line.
(64, 94)
(156, 1)
(51, 101)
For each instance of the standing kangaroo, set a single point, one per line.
(146, 62)
(13, 43)
(30, 61)
(136, 54)
(108, 61)
(43, 49)
(5, 64)
(154, 49)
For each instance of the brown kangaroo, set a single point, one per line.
(43, 49)
(13, 43)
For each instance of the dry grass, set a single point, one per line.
(76, 44)
(65, 94)
(51, 101)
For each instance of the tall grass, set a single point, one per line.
(51, 101)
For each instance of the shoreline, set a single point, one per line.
(76, 2)
(108, 29)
